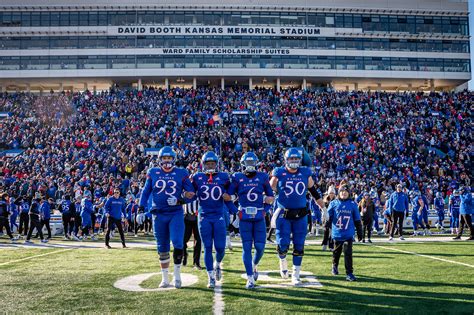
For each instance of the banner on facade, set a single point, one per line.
(173, 30)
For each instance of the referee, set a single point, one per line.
(191, 228)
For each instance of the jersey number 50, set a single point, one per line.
(299, 188)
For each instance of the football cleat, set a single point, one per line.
(211, 284)
(295, 279)
(255, 273)
(250, 284)
(164, 283)
(218, 273)
(351, 277)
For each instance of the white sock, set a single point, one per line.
(164, 272)
(296, 271)
(283, 264)
(217, 264)
(177, 272)
(254, 266)
(250, 278)
(210, 274)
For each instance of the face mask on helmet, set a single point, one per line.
(293, 162)
(210, 167)
(293, 158)
(249, 166)
(167, 161)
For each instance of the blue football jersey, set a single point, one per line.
(454, 204)
(163, 185)
(416, 203)
(209, 191)
(343, 215)
(251, 192)
(292, 187)
(439, 204)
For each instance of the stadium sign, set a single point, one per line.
(11, 153)
(241, 112)
(172, 30)
(152, 151)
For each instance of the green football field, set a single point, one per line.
(408, 277)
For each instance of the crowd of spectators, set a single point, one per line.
(77, 141)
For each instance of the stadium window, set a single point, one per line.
(83, 18)
(73, 18)
(64, 19)
(102, 19)
(9, 63)
(189, 18)
(330, 20)
(212, 62)
(25, 19)
(464, 26)
(357, 21)
(120, 62)
(149, 61)
(93, 18)
(177, 18)
(10, 43)
(55, 17)
(63, 63)
(348, 20)
(35, 19)
(16, 19)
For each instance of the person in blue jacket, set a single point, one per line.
(169, 188)
(255, 199)
(466, 210)
(344, 219)
(399, 208)
(87, 208)
(115, 214)
(45, 208)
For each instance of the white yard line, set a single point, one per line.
(218, 307)
(423, 255)
(35, 256)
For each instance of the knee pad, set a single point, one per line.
(178, 256)
(299, 253)
(164, 257)
(281, 252)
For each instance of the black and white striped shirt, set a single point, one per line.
(191, 208)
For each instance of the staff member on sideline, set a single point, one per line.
(191, 228)
(466, 209)
(398, 207)
(115, 211)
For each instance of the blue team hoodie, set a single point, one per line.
(45, 209)
(115, 207)
(399, 202)
(466, 204)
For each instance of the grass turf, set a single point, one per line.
(388, 281)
